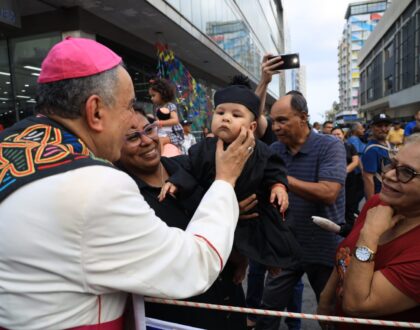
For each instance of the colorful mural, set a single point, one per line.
(192, 99)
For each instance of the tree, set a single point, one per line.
(331, 113)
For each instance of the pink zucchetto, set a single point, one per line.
(76, 58)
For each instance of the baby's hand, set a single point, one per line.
(168, 187)
(278, 191)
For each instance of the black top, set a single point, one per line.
(174, 212)
(263, 169)
(162, 116)
(354, 191)
(350, 152)
(178, 213)
(267, 240)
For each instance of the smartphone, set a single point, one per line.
(290, 61)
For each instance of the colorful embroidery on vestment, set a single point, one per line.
(38, 147)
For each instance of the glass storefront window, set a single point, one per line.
(7, 113)
(140, 67)
(245, 41)
(18, 78)
(27, 56)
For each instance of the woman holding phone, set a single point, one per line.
(377, 272)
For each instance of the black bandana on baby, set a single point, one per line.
(238, 94)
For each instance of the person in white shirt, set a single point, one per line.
(189, 139)
(75, 233)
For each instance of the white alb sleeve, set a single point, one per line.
(126, 247)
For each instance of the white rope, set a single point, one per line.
(285, 314)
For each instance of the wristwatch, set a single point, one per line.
(364, 254)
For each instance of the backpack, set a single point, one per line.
(391, 153)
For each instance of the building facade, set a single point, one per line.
(390, 64)
(299, 80)
(361, 19)
(214, 40)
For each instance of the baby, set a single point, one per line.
(266, 239)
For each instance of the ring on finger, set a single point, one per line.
(250, 149)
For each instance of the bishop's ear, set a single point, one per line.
(94, 113)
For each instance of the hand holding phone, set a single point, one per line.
(290, 61)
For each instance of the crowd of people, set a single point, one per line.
(102, 204)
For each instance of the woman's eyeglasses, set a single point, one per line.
(150, 131)
(404, 173)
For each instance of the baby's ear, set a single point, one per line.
(253, 126)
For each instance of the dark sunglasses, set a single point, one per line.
(150, 131)
(404, 173)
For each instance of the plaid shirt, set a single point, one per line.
(177, 135)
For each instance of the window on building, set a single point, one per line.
(408, 50)
(362, 89)
(358, 9)
(388, 84)
(389, 51)
(417, 48)
(397, 61)
(7, 107)
(376, 7)
(377, 77)
(370, 94)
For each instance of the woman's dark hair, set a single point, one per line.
(164, 88)
(298, 101)
(138, 107)
(66, 98)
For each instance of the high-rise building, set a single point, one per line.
(361, 19)
(214, 40)
(299, 80)
(390, 64)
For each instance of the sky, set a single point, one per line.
(315, 28)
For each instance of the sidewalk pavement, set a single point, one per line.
(309, 305)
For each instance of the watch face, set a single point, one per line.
(362, 253)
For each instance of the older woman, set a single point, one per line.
(141, 158)
(378, 265)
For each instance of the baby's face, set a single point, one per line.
(228, 118)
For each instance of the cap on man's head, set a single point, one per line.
(77, 58)
(185, 122)
(238, 94)
(381, 118)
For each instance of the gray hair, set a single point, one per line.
(298, 101)
(354, 127)
(66, 98)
